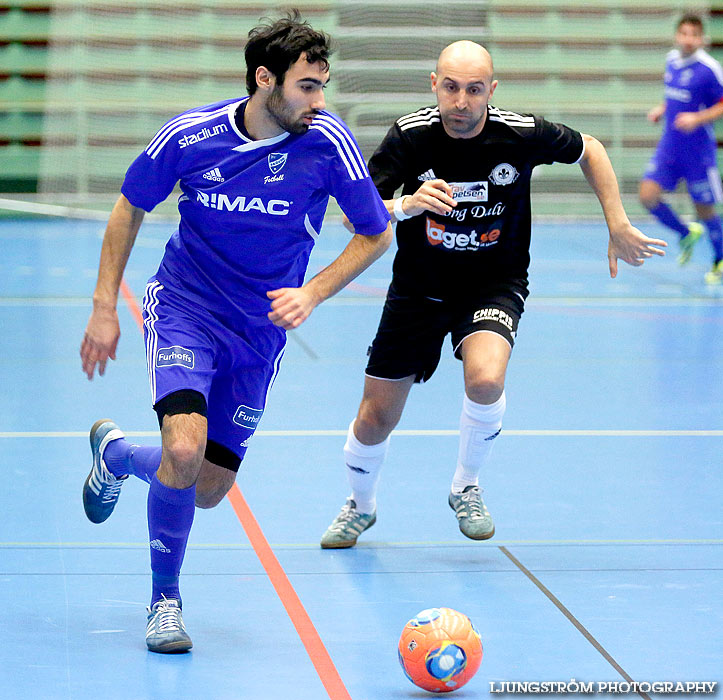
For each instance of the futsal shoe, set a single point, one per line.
(101, 488)
(714, 276)
(347, 526)
(687, 242)
(166, 633)
(474, 519)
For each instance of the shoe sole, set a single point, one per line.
(172, 648)
(486, 536)
(338, 545)
(346, 544)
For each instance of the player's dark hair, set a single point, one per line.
(691, 18)
(278, 45)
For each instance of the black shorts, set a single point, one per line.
(412, 329)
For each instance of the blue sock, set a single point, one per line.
(170, 516)
(715, 234)
(122, 457)
(663, 213)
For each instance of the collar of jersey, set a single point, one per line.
(249, 144)
(680, 62)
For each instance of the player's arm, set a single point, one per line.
(626, 242)
(689, 121)
(103, 331)
(434, 196)
(291, 306)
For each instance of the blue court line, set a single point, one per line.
(371, 545)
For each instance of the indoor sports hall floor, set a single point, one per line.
(606, 488)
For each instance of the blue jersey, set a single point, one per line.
(691, 85)
(250, 211)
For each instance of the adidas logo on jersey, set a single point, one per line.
(214, 175)
(426, 176)
(157, 544)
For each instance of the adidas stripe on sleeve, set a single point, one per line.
(348, 179)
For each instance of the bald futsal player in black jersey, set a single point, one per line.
(463, 238)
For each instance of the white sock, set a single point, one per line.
(364, 462)
(479, 425)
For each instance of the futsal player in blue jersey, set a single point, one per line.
(687, 147)
(255, 176)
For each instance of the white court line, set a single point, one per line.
(404, 433)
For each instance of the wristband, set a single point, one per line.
(399, 214)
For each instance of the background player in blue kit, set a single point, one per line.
(463, 235)
(255, 175)
(687, 147)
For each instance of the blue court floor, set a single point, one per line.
(605, 485)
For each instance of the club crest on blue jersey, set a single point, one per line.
(277, 161)
(175, 355)
(248, 417)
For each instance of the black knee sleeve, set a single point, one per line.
(184, 401)
(188, 401)
(221, 456)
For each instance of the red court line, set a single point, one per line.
(310, 638)
(132, 304)
(329, 676)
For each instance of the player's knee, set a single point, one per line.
(705, 212)
(375, 421)
(184, 452)
(484, 388)
(649, 197)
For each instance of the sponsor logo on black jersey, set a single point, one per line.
(503, 174)
(469, 191)
(437, 234)
(205, 133)
(242, 205)
(495, 315)
(478, 211)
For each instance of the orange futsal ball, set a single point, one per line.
(440, 650)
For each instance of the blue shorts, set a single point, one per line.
(188, 348)
(700, 174)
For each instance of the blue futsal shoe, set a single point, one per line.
(166, 633)
(101, 488)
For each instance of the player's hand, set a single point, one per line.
(100, 340)
(656, 113)
(631, 246)
(686, 122)
(291, 306)
(434, 196)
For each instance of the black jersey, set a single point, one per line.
(485, 240)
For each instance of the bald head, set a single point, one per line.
(466, 57)
(463, 84)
